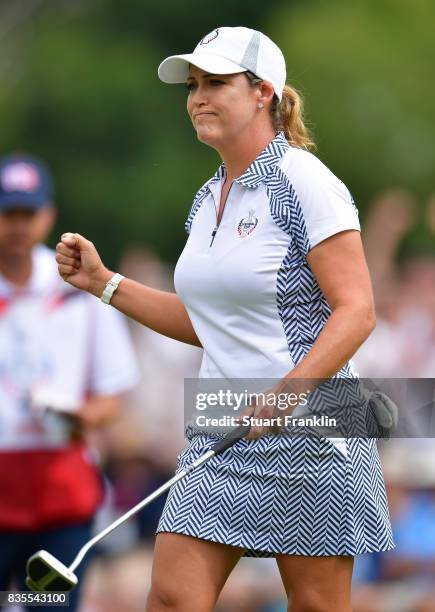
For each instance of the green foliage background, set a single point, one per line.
(80, 89)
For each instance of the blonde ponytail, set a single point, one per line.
(288, 117)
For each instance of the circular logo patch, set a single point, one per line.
(209, 37)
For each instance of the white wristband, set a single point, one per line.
(111, 287)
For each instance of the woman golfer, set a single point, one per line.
(272, 283)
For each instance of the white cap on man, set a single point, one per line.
(228, 51)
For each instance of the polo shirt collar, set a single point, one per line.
(260, 167)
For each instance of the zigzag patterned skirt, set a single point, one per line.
(283, 495)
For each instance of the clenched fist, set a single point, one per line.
(80, 265)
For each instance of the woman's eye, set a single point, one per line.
(212, 82)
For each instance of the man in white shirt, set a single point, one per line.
(65, 362)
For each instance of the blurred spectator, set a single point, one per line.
(403, 346)
(403, 343)
(403, 580)
(65, 361)
(391, 216)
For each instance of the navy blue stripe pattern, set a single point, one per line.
(301, 305)
(281, 494)
(201, 195)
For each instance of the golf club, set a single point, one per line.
(46, 573)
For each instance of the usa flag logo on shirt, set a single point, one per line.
(247, 226)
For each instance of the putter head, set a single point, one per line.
(46, 573)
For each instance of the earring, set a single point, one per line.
(260, 105)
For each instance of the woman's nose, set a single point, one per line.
(198, 95)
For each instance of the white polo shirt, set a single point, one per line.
(252, 298)
(60, 342)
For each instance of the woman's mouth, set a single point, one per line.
(203, 113)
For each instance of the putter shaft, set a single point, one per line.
(144, 502)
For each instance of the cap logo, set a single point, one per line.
(20, 177)
(209, 37)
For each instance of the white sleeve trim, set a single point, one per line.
(327, 232)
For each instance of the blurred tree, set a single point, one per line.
(80, 89)
(175, 26)
(366, 68)
(83, 93)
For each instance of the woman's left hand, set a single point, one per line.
(264, 416)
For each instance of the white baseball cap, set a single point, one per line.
(228, 51)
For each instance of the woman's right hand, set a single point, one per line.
(80, 265)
